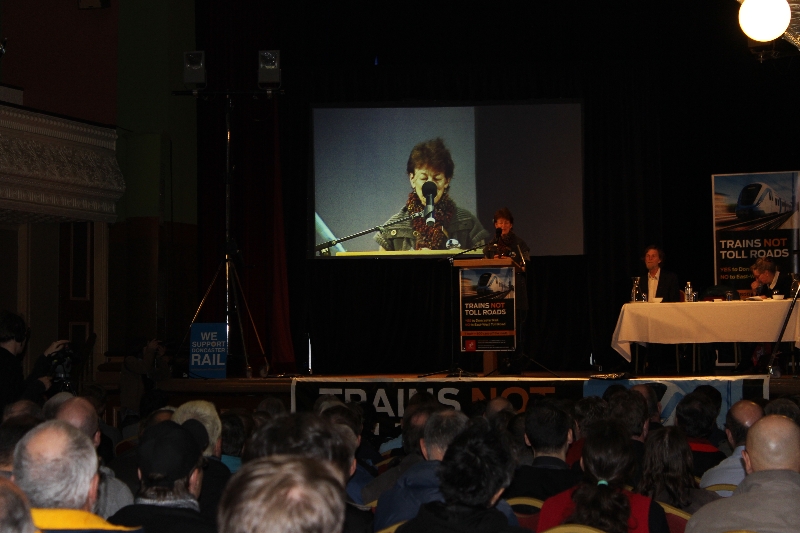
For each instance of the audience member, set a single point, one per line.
(766, 501)
(171, 466)
(586, 412)
(15, 513)
(629, 408)
(696, 416)
(144, 364)
(50, 407)
(785, 407)
(126, 465)
(112, 494)
(739, 419)
(600, 501)
(653, 405)
(111, 436)
(667, 472)
(23, 407)
(216, 474)
(549, 431)
(475, 470)
(414, 420)
(420, 483)
(283, 494)
(55, 465)
(522, 450)
(11, 432)
(272, 406)
(310, 435)
(233, 439)
(345, 416)
(717, 436)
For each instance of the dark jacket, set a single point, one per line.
(14, 386)
(668, 287)
(163, 519)
(441, 518)
(546, 477)
(215, 477)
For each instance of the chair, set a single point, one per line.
(676, 519)
(573, 528)
(722, 487)
(741, 531)
(522, 507)
(392, 528)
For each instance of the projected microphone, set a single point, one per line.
(429, 191)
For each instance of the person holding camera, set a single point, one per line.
(14, 335)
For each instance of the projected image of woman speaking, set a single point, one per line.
(430, 170)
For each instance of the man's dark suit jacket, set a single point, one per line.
(546, 477)
(668, 287)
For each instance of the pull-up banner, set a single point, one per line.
(755, 216)
(488, 320)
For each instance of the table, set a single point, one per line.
(700, 322)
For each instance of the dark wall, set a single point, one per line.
(670, 97)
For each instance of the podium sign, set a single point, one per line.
(486, 303)
(209, 351)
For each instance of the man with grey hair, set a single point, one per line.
(15, 513)
(112, 494)
(420, 484)
(55, 465)
(216, 474)
(283, 494)
(766, 501)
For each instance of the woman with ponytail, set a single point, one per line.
(600, 500)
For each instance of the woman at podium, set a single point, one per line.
(430, 170)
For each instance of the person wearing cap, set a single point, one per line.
(171, 471)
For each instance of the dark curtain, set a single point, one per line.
(670, 97)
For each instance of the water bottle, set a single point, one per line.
(688, 292)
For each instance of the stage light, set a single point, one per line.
(764, 20)
(194, 67)
(269, 67)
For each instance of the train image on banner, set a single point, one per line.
(489, 282)
(759, 200)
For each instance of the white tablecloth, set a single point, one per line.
(697, 322)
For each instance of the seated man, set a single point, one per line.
(766, 501)
(55, 465)
(695, 415)
(740, 418)
(283, 493)
(771, 280)
(475, 471)
(548, 430)
(629, 408)
(420, 483)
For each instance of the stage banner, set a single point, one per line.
(755, 216)
(488, 321)
(208, 351)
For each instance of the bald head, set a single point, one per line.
(740, 418)
(773, 443)
(80, 413)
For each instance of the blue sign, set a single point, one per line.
(208, 351)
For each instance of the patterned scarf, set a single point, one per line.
(431, 237)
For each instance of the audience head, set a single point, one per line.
(233, 434)
(477, 467)
(440, 430)
(81, 414)
(304, 434)
(548, 428)
(345, 416)
(326, 401)
(170, 462)
(414, 420)
(283, 494)
(712, 394)
(15, 512)
(773, 443)
(588, 411)
(272, 406)
(154, 418)
(50, 407)
(607, 459)
(696, 415)
(667, 466)
(22, 408)
(11, 432)
(629, 408)
(205, 413)
(739, 419)
(55, 465)
(612, 390)
(650, 396)
(498, 404)
(785, 407)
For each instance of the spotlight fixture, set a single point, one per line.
(764, 20)
(269, 67)
(194, 67)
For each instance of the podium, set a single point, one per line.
(486, 307)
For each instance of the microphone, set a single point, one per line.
(429, 191)
(498, 232)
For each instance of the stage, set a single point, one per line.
(390, 393)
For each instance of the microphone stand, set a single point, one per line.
(324, 248)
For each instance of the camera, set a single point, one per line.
(61, 363)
